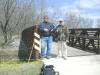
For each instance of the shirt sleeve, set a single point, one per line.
(54, 28)
(66, 33)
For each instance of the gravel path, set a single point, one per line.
(79, 62)
(84, 65)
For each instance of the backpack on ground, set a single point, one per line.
(48, 70)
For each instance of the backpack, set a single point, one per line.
(48, 70)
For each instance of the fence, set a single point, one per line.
(85, 39)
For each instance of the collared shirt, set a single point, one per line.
(62, 33)
(47, 25)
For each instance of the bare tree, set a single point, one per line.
(75, 20)
(41, 11)
(98, 23)
(86, 23)
(8, 8)
(13, 17)
(72, 20)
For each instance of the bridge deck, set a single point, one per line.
(85, 65)
(71, 51)
(80, 65)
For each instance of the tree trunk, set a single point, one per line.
(5, 37)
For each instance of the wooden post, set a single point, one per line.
(36, 52)
(31, 53)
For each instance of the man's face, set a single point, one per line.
(61, 22)
(45, 19)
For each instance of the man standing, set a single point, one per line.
(46, 29)
(62, 36)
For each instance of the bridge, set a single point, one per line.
(71, 51)
(85, 39)
(82, 41)
(82, 51)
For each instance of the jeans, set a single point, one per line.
(46, 41)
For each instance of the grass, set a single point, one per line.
(9, 41)
(1, 41)
(16, 67)
(32, 68)
(23, 69)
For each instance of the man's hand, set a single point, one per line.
(57, 30)
(67, 41)
(46, 30)
(51, 30)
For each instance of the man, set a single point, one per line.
(62, 36)
(46, 29)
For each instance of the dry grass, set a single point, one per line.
(23, 69)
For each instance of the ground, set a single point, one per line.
(81, 65)
(32, 68)
(71, 52)
(79, 62)
(11, 52)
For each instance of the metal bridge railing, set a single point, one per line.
(85, 38)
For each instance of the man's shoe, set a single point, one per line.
(65, 58)
(41, 58)
(48, 57)
(58, 57)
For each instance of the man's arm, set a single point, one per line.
(66, 34)
(53, 28)
(41, 28)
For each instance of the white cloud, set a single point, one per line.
(70, 8)
(91, 4)
(49, 10)
(66, 9)
(91, 16)
(76, 8)
(86, 4)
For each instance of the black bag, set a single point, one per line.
(48, 70)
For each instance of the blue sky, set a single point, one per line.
(88, 8)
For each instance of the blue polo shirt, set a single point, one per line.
(47, 25)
